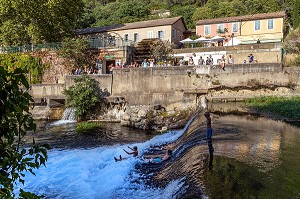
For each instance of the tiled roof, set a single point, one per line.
(127, 26)
(242, 18)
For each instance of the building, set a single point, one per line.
(166, 29)
(115, 42)
(265, 27)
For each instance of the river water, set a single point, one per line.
(248, 157)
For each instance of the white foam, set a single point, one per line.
(93, 173)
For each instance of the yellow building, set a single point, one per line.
(265, 27)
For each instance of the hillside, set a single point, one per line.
(109, 12)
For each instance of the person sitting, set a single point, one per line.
(134, 152)
(166, 157)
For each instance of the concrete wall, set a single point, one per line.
(171, 85)
(47, 90)
(166, 85)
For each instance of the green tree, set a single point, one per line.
(121, 12)
(86, 96)
(186, 12)
(78, 52)
(26, 62)
(296, 13)
(161, 50)
(36, 21)
(16, 121)
(292, 45)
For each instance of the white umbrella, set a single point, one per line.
(217, 38)
(187, 41)
(201, 39)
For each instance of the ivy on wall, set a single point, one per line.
(32, 65)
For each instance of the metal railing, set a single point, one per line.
(98, 43)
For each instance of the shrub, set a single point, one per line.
(86, 96)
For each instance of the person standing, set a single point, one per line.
(181, 62)
(223, 62)
(209, 130)
(230, 59)
(200, 61)
(251, 58)
(145, 63)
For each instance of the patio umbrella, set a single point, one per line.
(217, 38)
(201, 39)
(187, 41)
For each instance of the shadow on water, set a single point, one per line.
(65, 137)
(248, 157)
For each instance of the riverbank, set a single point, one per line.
(276, 108)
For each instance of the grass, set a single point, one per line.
(285, 107)
(84, 127)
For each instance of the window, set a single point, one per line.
(206, 30)
(126, 37)
(135, 37)
(270, 24)
(174, 36)
(220, 28)
(235, 27)
(150, 34)
(161, 34)
(257, 25)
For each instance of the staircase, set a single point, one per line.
(143, 50)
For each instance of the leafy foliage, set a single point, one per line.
(83, 127)
(292, 45)
(78, 51)
(284, 107)
(191, 10)
(86, 96)
(16, 120)
(36, 21)
(26, 62)
(161, 49)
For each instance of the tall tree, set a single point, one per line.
(15, 121)
(37, 20)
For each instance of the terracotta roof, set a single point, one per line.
(242, 18)
(127, 26)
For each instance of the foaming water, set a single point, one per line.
(67, 117)
(93, 173)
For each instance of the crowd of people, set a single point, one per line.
(192, 61)
(85, 70)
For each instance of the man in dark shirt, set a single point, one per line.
(208, 124)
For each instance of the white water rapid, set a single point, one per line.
(93, 173)
(68, 117)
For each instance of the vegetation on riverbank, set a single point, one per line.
(86, 96)
(286, 108)
(84, 127)
(16, 121)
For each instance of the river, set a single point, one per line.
(249, 157)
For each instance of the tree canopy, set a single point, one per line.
(110, 12)
(37, 21)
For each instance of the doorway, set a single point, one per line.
(107, 63)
